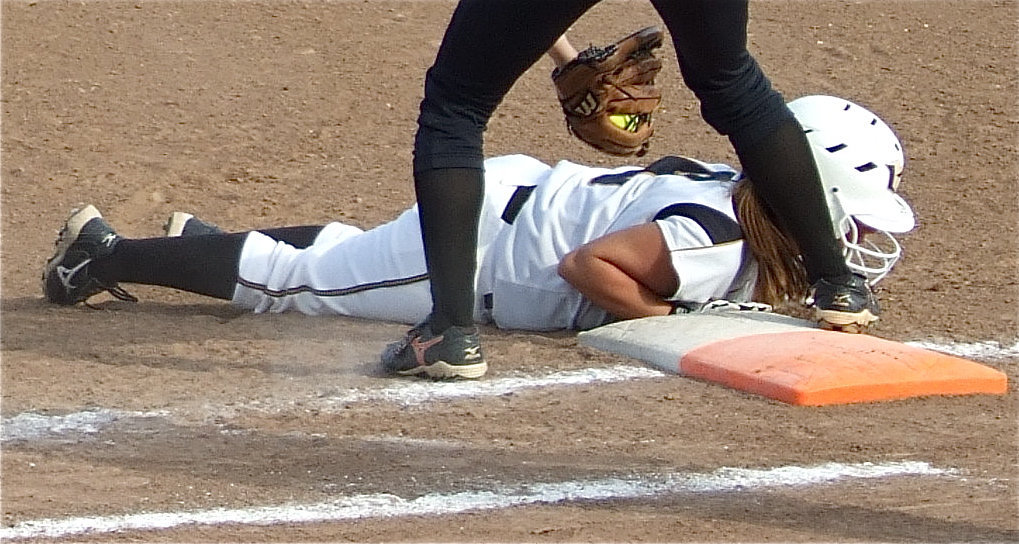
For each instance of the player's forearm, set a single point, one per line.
(609, 288)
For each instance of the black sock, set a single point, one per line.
(299, 237)
(449, 201)
(782, 169)
(206, 265)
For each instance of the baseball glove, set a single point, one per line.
(608, 94)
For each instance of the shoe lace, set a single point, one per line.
(118, 292)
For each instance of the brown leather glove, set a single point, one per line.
(608, 94)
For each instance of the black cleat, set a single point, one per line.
(848, 306)
(456, 353)
(85, 237)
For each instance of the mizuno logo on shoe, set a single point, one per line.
(66, 274)
(843, 299)
(109, 239)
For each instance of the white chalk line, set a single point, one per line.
(983, 351)
(386, 505)
(414, 392)
(28, 426)
(410, 393)
(33, 426)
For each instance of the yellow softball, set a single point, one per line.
(626, 121)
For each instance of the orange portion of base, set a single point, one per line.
(816, 368)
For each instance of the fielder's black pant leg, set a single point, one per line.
(206, 265)
(782, 169)
(449, 203)
(487, 46)
(737, 100)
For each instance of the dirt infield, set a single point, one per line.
(255, 114)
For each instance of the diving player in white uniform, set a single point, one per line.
(563, 247)
(533, 216)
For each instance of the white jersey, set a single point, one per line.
(532, 216)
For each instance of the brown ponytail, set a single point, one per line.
(781, 277)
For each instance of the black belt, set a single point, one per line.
(516, 202)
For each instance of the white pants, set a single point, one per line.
(374, 274)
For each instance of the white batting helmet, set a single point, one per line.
(860, 161)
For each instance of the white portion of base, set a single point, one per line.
(663, 340)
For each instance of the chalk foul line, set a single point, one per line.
(437, 504)
(407, 392)
(984, 351)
